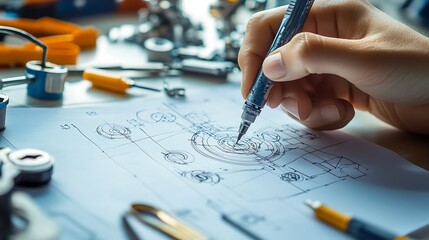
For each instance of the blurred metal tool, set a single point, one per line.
(420, 233)
(175, 92)
(161, 221)
(49, 80)
(13, 81)
(28, 167)
(149, 67)
(111, 82)
(4, 101)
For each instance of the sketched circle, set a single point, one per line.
(200, 176)
(156, 117)
(113, 131)
(291, 177)
(251, 150)
(163, 117)
(178, 157)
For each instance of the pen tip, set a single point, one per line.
(238, 138)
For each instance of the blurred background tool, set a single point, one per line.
(350, 225)
(155, 68)
(52, 30)
(66, 9)
(45, 80)
(204, 41)
(61, 53)
(111, 82)
(161, 221)
(4, 101)
(20, 218)
(64, 40)
(63, 9)
(48, 83)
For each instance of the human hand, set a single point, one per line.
(349, 55)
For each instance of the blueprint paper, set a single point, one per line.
(179, 155)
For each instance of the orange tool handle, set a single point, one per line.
(84, 37)
(106, 80)
(58, 53)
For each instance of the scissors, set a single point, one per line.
(161, 221)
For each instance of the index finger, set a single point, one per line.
(260, 32)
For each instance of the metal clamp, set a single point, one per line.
(49, 80)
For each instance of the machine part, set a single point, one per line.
(175, 92)
(149, 67)
(159, 49)
(35, 166)
(214, 68)
(49, 80)
(4, 100)
(20, 218)
(6, 190)
(13, 81)
(38, 225)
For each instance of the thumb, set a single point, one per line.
(309, 53)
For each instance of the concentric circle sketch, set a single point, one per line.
(291, 177)
(221, 146)
(179, 157)
(113, 131)
(201, 176)
(156, 117)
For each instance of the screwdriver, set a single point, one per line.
(111, 82)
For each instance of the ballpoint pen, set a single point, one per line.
(291, 24)
(352, 226)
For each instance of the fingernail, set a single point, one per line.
(273, 66)
(330, 113)
(291, 105)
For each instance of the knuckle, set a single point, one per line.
(255, 21)
(305, 43)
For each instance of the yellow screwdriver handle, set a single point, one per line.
(106, 80)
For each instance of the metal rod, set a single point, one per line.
(13, 81)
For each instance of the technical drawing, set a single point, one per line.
(182, 156)
(179, 157)
(282, 153)
(291, 177)
(197, 118)
(201, 176)
(113, 131)
(221, 146)
(155, 117)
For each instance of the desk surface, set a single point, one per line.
(365, 126)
